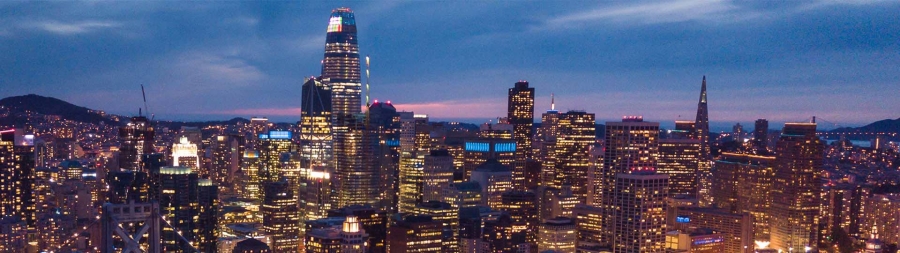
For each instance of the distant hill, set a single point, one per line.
(881, 126)
(52, 106)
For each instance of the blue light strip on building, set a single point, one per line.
(478, 146)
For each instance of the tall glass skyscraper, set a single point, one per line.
(340, 68)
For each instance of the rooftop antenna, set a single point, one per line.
(367, 90)
(552, 102)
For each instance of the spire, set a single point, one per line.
(552, 102)
(703, 91)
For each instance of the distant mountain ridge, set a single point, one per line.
(881, 126)
(53, 106)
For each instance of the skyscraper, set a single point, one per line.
(415, 233)
(520, 113)
(17, 175)
(639, 212)
(281, 218)
(271, 145)
(795, 191)
(179, 204)
(136, 139)
(340, 68)
(679, 158)
(573, 151)
(184, 154)
(438, 175)
(315, 125)
(631, 145)
(742, 183)
(701, 132)
(761, 136)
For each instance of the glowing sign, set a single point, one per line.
(708, 241)
(478, 146)
(279, 134)
(682, 219)
(505, 147)
(334, 25)
(392, 143)
(263, 136)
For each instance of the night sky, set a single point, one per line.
(784, 61)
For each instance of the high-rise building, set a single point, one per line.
(520, 113)
(557, 234)
(796, 189)
(227, 151)
(250, 166)
(208, 216)
(448, 216)
(386, 122)
(494, 178)
(742, 183)
(679, 158)
(179, 203)
(126, 186)
(522, 207)
(631, 146)
(735, 228)
(695, 241)
(548, 133)
(589, 229)
(17, 176)
(136, 139)
(373, 221)
(315, 195)
(761, 136)
(701, 132)
(437, 175)
(184, 154)
(315, 125)
(340, 67)
(415, 233)
(281, 219)
(271, 145)
(572, 151)
(13, 234)
(414, 146)
(480, 150)
(462, 195)
(639, 212)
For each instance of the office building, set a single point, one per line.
(185, 154)
(437, 175)
(448, 216)
(251, 246)
(179, 204)
(462, 195)
(480, 150)
(695, 241)
(271, 145)
(742, 183)
(250, 167)
(415, 233)
(589, 228)
(557, 234)
(680, 158)
(494, 179)
(373, 221)
(227, 151)
(796, 188)
(736, 229)
(136, 139)
(572, 151)
(639, 212)
(17, 176)
(761, 137)
(520, 113)
(281, 219)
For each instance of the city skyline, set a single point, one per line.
(837, 55)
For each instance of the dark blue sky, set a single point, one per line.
(784, 61)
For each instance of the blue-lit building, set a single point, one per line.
(271, 145)
(480, 150)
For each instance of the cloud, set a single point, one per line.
(457, 108)
(653, 13)
(78, 27)
(205, 69)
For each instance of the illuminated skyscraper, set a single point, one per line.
(17, 175)
(179, 204)
(373, 221)
(445, 214)
(136, 139)
(250, 166)
(557, 234)
(415, 145)
(281, 218)
(340, 68)
(572, 151)
(271, 145)
(184, 154)
(631, 145)
(742, 183)
(315, 125)
(795, 191)
(549, 133)
(520, 113)
(679, 158)
(701, 131)
(480, 150)
(227, 151)
(208, 220)
(495, 179)
(639, 212)
(438, 175)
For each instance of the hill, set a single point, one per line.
(881, 126)
(51, 106)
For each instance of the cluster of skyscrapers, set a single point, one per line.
(344, 179)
